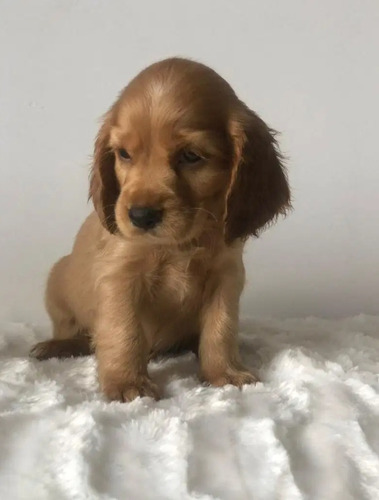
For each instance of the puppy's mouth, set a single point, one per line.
(161, 225)
(170, 229)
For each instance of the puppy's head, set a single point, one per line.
(179, 155)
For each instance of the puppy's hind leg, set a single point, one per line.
(79, 345)
(69, 339)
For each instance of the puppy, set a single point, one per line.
(183, 173)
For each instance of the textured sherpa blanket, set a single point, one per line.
(310, 430)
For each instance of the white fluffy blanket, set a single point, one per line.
(309, 431)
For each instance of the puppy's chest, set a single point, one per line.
(176, 281)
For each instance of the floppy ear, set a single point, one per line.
(104, 188)
(258, 190)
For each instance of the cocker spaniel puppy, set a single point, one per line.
(183, 173)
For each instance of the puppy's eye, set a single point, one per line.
(189, 157)
(124, 154)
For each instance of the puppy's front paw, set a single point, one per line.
(233, 376)
(127, 391)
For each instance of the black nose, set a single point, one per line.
(145, 217)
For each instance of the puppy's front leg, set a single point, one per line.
(121, 347)
(218, 352)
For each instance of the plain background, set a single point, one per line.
(310, 69)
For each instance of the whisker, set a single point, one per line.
(206, 211)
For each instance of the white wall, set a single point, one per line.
(309, 68)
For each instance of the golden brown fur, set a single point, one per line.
(131, 293)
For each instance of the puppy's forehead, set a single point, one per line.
(173, 97)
